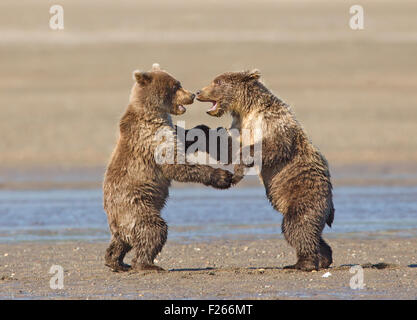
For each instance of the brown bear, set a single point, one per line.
(136, 186)
(295, 174)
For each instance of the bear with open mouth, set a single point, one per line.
(136, 185)
(295, 174)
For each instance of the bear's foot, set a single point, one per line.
(148, 267)
(304, 265)
(118, 267)
(325, 255)
(324, 264)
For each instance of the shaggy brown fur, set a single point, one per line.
(294, 172)
(135, 186)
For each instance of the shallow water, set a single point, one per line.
(199, 214)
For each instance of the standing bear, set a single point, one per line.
(295, 174)
(136, 185)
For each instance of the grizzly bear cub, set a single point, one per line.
(136, 186)
(295, 174)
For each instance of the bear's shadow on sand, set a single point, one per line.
(378, 266)
(193, 269)
(231, 269)
(261, 270)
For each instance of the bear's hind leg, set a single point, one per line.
(302, 231)
(325, 255)
(150, 236)
(115, 254)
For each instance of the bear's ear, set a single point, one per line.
(141, 77)
(254, 74)
(156, 67)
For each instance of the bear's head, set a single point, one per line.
(159, 90)
(228, 91)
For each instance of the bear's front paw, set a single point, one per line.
(237, 178)
(221, 179)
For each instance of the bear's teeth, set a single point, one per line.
(181, 108)
(214, 107)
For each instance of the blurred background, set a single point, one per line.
(62, 92)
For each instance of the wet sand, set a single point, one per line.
(212, 270)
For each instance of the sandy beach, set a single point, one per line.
(215, 270)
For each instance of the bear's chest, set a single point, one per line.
(250, 127)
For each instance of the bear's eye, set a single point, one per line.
(177, 86)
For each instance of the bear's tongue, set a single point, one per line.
(214, 107)
(181, 108)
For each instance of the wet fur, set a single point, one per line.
(135, 187)
(295, 174)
